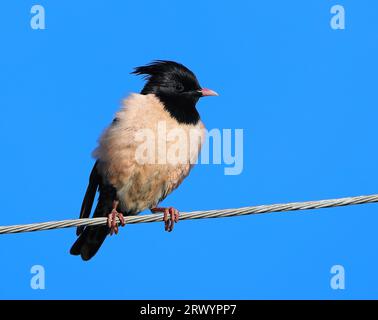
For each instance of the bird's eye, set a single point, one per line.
(179, 87)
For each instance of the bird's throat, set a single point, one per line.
(183, 110)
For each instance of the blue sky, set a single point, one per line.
(304, 94)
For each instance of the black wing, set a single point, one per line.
(90, 194)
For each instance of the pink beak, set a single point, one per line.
(208, 93)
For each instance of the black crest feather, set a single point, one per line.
(159, 67)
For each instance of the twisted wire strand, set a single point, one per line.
(284, 207)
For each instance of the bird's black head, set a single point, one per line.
(176, 87)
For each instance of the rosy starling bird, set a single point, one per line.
(126, 184)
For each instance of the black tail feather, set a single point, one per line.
(89, 242)
(91, 238)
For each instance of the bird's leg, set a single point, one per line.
(168, 222)
(112, 218)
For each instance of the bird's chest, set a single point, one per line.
(159, 166)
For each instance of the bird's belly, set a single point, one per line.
(149, 185)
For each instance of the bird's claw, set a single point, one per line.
(169, 222)
(174, 218)
(112, 221)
